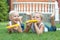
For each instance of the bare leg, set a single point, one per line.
(52, 20)
(53, 27)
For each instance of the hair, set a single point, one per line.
(39, 14)
(12, 12)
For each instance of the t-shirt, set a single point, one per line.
(33, 29)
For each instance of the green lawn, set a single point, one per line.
(4, 35)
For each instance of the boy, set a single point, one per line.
(15, 19)
(39, 27)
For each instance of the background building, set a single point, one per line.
(46, 7)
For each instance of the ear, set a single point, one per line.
(10, 18)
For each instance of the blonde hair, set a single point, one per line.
(39, 14)
(12, 12)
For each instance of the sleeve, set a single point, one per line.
(45, 29)
(10, 23)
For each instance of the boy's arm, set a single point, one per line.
(20, 19)
(39, 30)
(28, 26)
(19, 29)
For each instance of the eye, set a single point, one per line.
(18, 16)
(37, 17)
(14, 16)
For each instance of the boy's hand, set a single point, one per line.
(35, 24)
(19, 18)
(28, 24)
(15, 28)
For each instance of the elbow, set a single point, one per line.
(39, 32)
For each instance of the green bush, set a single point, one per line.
(3, 10)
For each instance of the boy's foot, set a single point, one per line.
(52, 16)
(58, 29)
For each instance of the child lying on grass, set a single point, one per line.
(15, 19)
(39, 26)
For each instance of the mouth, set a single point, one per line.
(15, 21)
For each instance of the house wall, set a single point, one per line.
(33, 0)
(21, 5)
(11, 2)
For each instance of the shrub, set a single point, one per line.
(3, 10)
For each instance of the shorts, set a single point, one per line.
(52, 28)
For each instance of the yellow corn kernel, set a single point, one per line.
(16, 25)
(32, 21)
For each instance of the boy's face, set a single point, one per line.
(37, 17)
(14, 17)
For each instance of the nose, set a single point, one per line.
(17, 18)
(35, 18)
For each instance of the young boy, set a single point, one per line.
(39, 27)
(15, 19)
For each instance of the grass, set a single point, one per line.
(4, 35)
